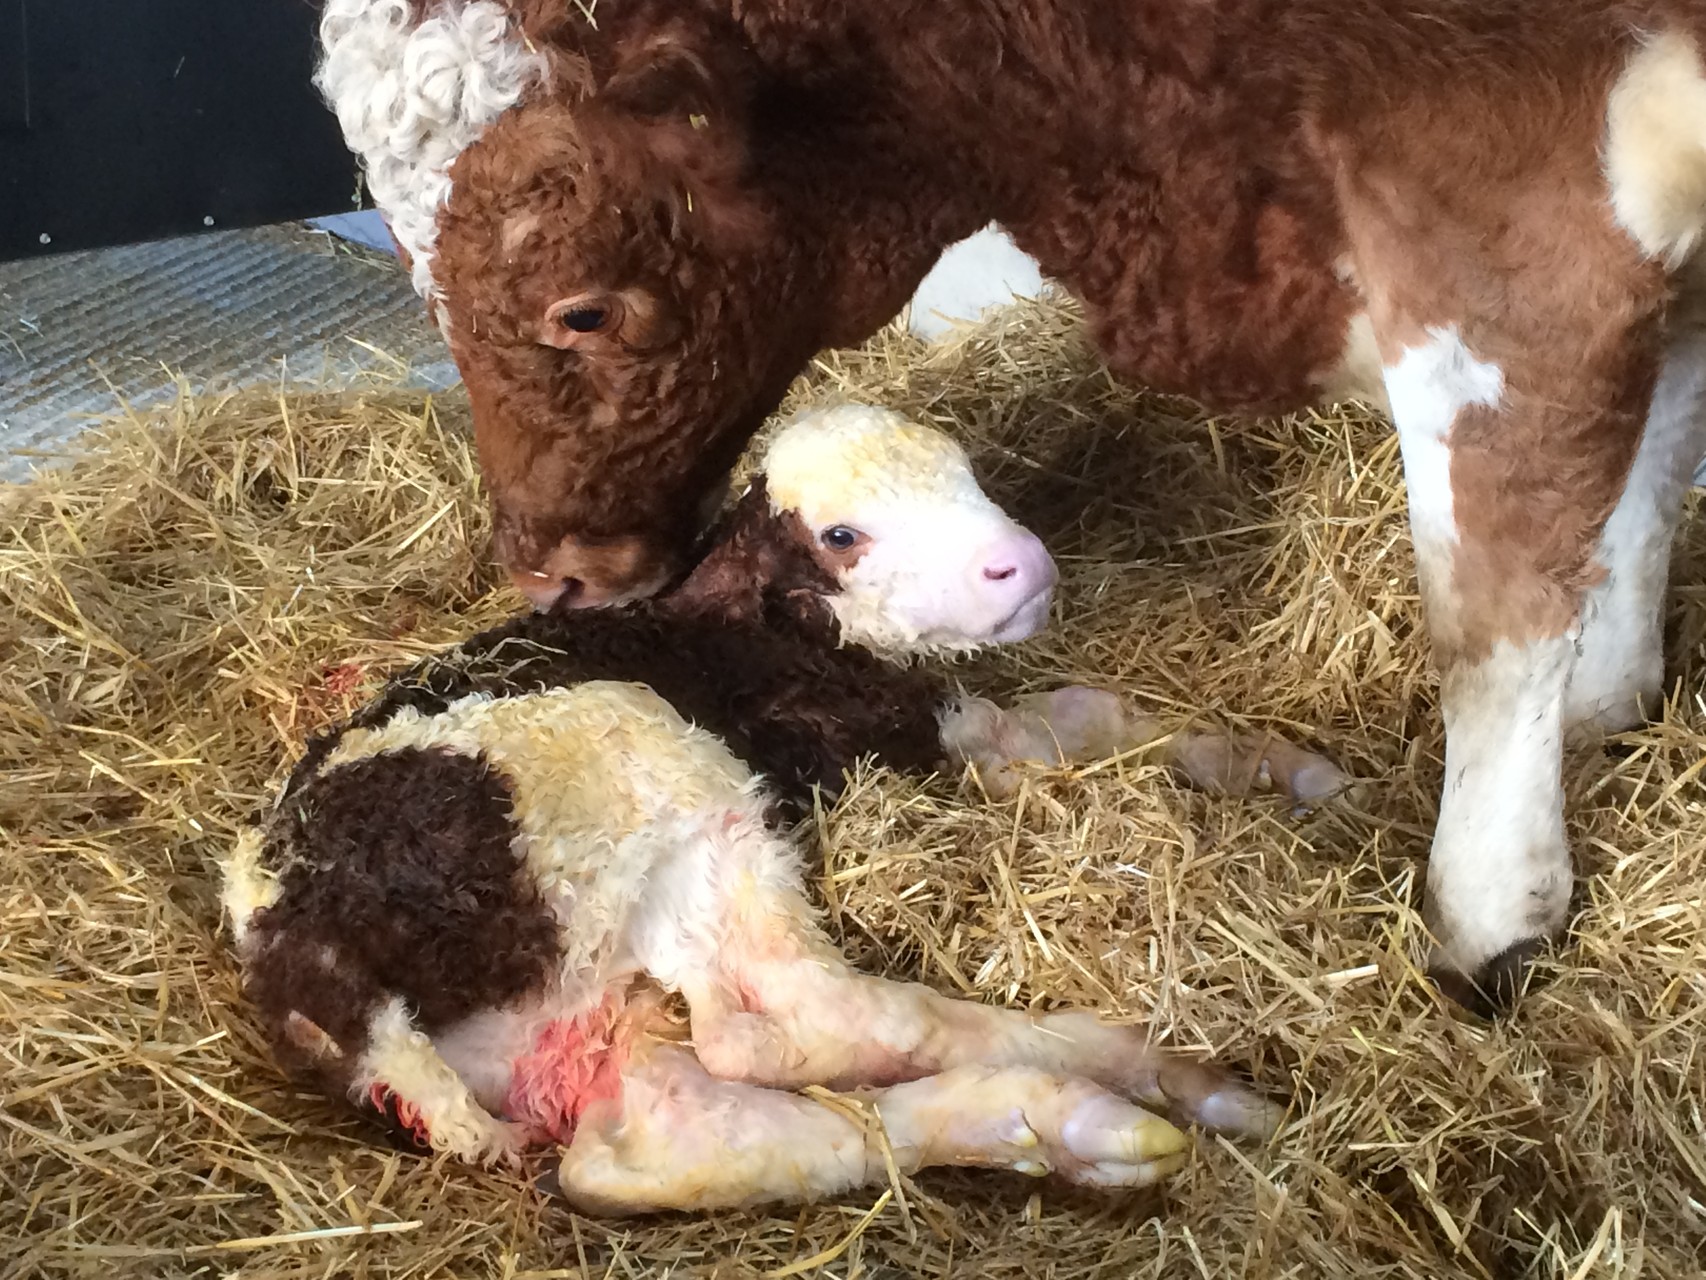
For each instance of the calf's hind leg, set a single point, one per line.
(773, 1003)
(679, 1138)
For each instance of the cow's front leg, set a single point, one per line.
(1511, 474)
(1522, 300)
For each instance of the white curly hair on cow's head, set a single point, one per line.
(412, 93)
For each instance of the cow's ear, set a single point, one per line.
(663, 81)
(677, 111)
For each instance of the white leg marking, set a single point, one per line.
(402, 1061)
(1499, 872)
(1655, 148)
(1620, 672)
(1428, 387)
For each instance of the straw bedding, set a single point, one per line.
(180, 607)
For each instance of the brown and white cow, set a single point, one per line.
(637, 220)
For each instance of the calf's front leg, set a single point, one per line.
(678, 1137)
(402, 1074)
(1079, 724)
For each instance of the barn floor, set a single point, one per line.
(322, 303)
(180, 608)
(82, 332)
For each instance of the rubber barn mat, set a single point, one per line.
(81, 332)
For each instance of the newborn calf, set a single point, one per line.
(471, 904)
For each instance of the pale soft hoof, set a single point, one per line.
(1241, 1112)
(1115, 1144)
(1205, 1095)
(1318, 781)
(1085, 1135)
(1302, 776)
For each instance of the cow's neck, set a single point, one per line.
(1147, 153)
(1007, 111)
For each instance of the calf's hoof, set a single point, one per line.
(1495, 986)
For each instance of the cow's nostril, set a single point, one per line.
(999, 573)
(573, 589)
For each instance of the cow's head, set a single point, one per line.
(632, 244)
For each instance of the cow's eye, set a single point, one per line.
(573, 320)
(584, 319)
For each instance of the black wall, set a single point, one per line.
(125, 120)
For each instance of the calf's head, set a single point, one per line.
(632, 242)
(878, 525)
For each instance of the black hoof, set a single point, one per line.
(1495, 989)
(1622, 748)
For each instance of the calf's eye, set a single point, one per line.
(839, 537)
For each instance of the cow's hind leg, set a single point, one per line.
(1618, 677)
(680, 1138)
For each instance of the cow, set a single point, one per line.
(638, 220)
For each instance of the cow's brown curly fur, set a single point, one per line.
(759, 179)
(1236, 189)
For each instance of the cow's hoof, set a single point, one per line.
(1494, 988)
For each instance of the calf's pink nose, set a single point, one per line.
(1020, 566)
